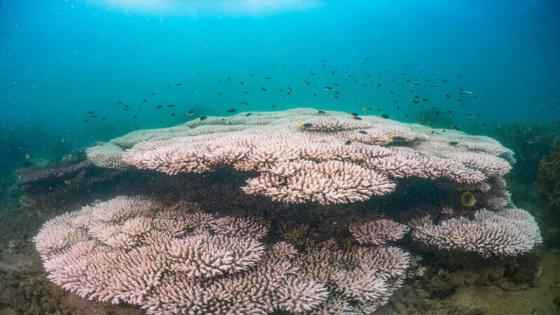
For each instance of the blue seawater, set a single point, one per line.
(76, 72)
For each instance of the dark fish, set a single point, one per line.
(248, 114)
(170, 106)
(91, 112)
(289, 90)
(348, 142)
(379, 85)
(354, 114)
(144, 100)
(159, 106)
(363, 132)
(263, 89)
(268, 78)
(327, 88)
(357, 117)
(425, 99)
(453, 142)
(241, 82)
(153, 93)
(415, 101)
(190, 112)
(307, 125)
(455, 127)
(321, 112)
(385, 116)
(306, 83)
(135, 116)
(178, 84)
(173, 114)
(231, 110)
(203, 118)
(447, 95)
(245, 92)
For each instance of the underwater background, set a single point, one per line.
(75, 73)
(496, 61)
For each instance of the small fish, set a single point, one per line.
(144, 100)
(263, 89)
(424, 99)
(245, 103)
(327, 88)
(268, 78)
(178, 84)
(415, 101)
(385, 116)
(306, 83)
(354, 114)
(379, 85)
(203, 118)
(170, 106)
(289, 89)
(173, 114)
(321, 112)
(231, 110)
(363, 132)
(241, 82)
(453, 143)
(135, 116)
(348, 142)
(357, 117)
(91, 112)
(248, 114)
(190, 112)
(153, 94)
(159, 106)
(455, 127)
(306, 125)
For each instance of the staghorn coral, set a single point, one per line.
(300, 155)
(377, 232)
(176, 259)
(508, 232)
(364, 277)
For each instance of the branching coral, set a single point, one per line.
(179, 260)
(507, 232)
(301, 155)
(377, 232)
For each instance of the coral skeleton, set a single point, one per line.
(302, 156)
(508, 232)
(180, 260)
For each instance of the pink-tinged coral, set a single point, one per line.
(508, 232)
(241, 227)
(347, 159)
(365, 276)
(298, 295)
(377, 232)
(324, 182)
(176, 259)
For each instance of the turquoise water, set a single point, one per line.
(488, 62)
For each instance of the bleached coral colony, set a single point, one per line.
(178, 259)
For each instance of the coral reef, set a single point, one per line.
(507, 232)
(309, 213)
(302, 156)
(178, 259)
